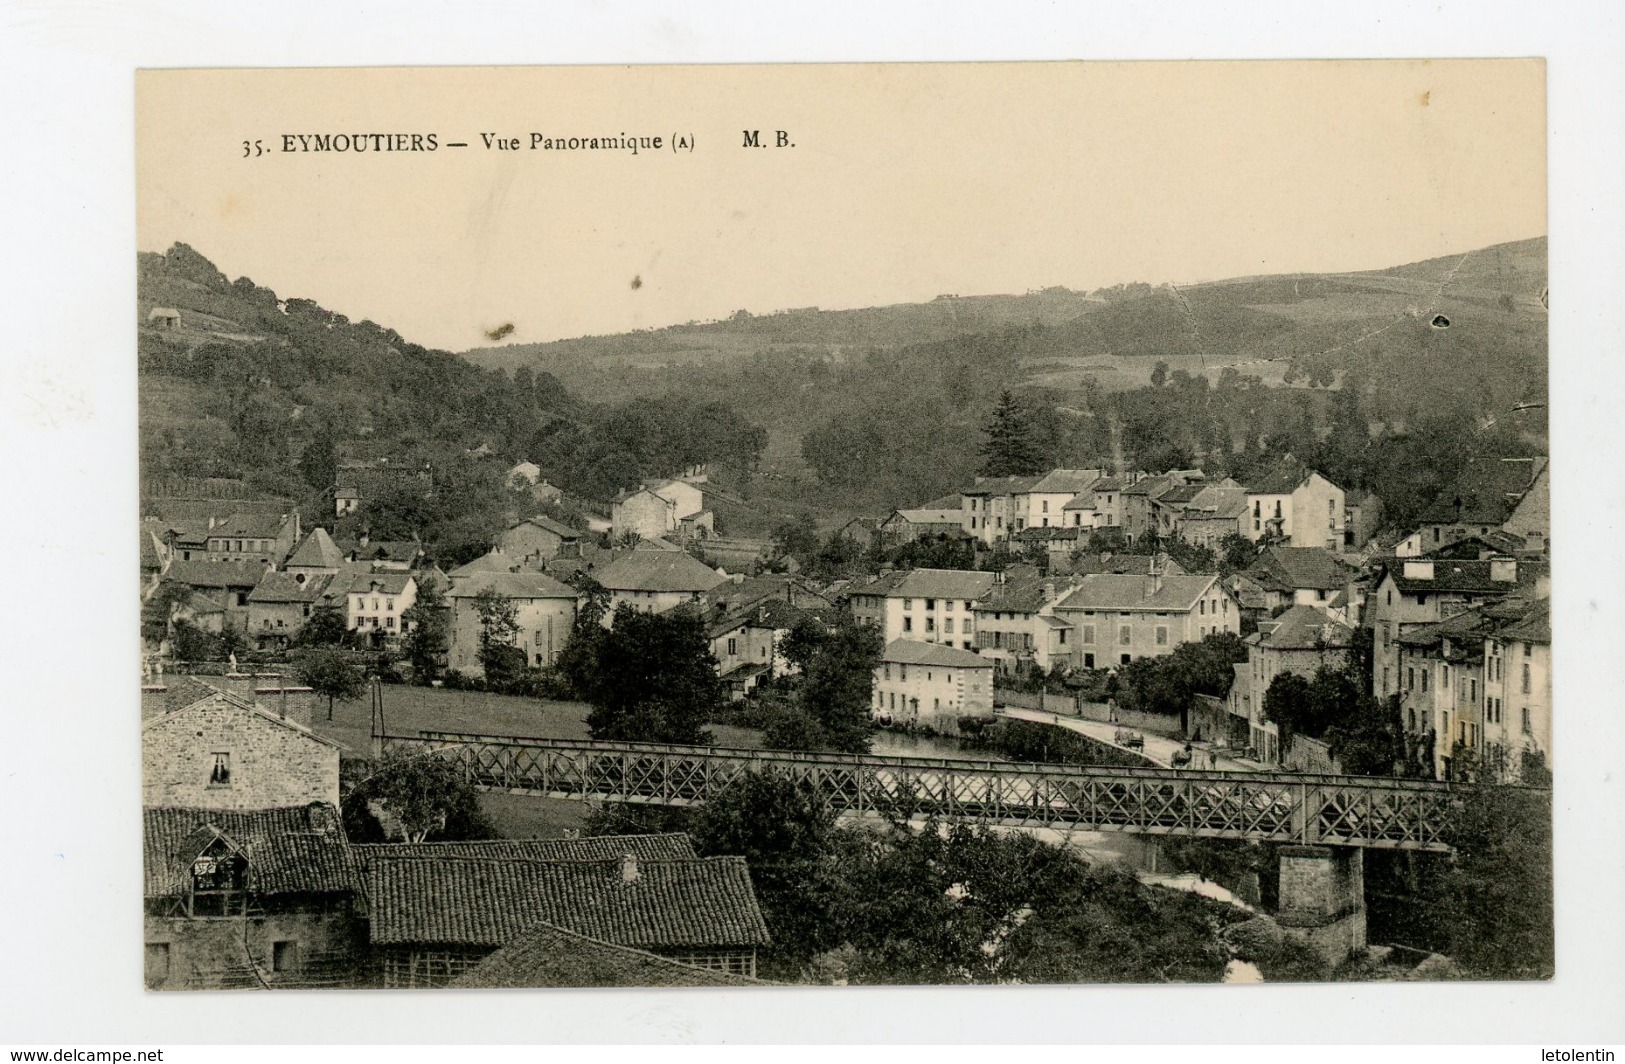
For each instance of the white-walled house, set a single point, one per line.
(1298, 505)
(931, 684)
(376, 601)
(936, 606)
(1118, 618)
(654, 581)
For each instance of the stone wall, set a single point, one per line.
(326, 946)
(1322, 898)
(271, 763)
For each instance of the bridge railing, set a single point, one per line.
(1284, 807)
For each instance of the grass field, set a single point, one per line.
(412, 709)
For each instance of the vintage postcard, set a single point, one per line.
(844, 525)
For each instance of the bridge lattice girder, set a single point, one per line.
(1363, 811)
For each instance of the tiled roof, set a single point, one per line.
(929, 517)
(397, 550)
(1291, 568)
(1462, 575)
(701, 902)
(911, 652)
(1180, 494)
(943, 583)
(1218, 503)
(1084, 500)
(259, 525)
(284, 587)
(558, 528)
(1304, 627)
(512, 585)
(294, 850)
(775, 614)
(1109, 484)
(1066, 480)
(659, 571)
(1534, 626)
(318, 551)
(671, 846)
(1152, 486)
(876, 585)
(1109, 591)
(547, 956)
(1282, 480)
(385, 583)
(215, 574)
(956, 501)
(492, 561)
(1001, 486)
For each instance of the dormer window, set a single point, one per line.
(219, 881)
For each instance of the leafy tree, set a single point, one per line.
(1288, 704)
(1370, 740)
(785, 831)
(578, 660)
(325, 627)
(1159, 375)
(838, 685)
(805, 639)
(428, 795)
(319, 464)
(157, 610)
(328, 672)
(654, 679)
(1236, 552)
(1010, 449)
(428, 631)
(499, 626)
(796, 539)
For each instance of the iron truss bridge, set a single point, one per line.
(1368, 811)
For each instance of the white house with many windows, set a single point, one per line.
(931, 684)
(376, 601)
(936, 606)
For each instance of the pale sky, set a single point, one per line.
(904, 182)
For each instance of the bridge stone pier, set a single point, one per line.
(1322, 900)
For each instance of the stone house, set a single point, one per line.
(662, 507)
(1016, 622)
(1300, 641)
(316, 555)
(259, 538)
(931, 684)
(227, 584)
(164, 318)
(1043, 505)
(906, 526)
(1302, 576)
(538, 539)
(544, 608)
(1213, 513)
(281, 603)
(225, 752)
(1118, 618)
(253, 898)
(993, 508)
(865, 598)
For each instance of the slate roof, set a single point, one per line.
(1084, 500)
(876, 585)
(469, 901)
(943, 583)
(545, 955)
(912, 652)
(215, 574)
(667, 847)
(1152, 486)
(956, 501)
(397, 550)
(283, 587)
(1110, 591)
(1304, 628)
(1180, 494)
(292, 850)
(659, 571)
(318, 551)
(775, 614)
(1217, 503)
(512, 585)
(492, 561)
(1292, 568)
(1535, 626)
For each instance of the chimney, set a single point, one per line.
(1419, 570)
(1504, 570)
(629, 868)
(1049, 590)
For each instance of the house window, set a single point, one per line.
(733, 647)
(908, 604)
(888, 670)
(285, 956)
(220, 773)
(1125, 658)
(902, 671)
(1063, 636)
(1385, 683)
(389, 622)
(1201, 608)
(948, 626)
(930, 624)
(1526, 678)
(908, 624)
(1410, 679)
(1528, 649)
(1125, 635)
(157, 963)
(1424, 681)
(1162, 635)
(930, 604)
(389, 604)
(1088, 661)
(1526, 728)
(1472, 689)
(1088, 633)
